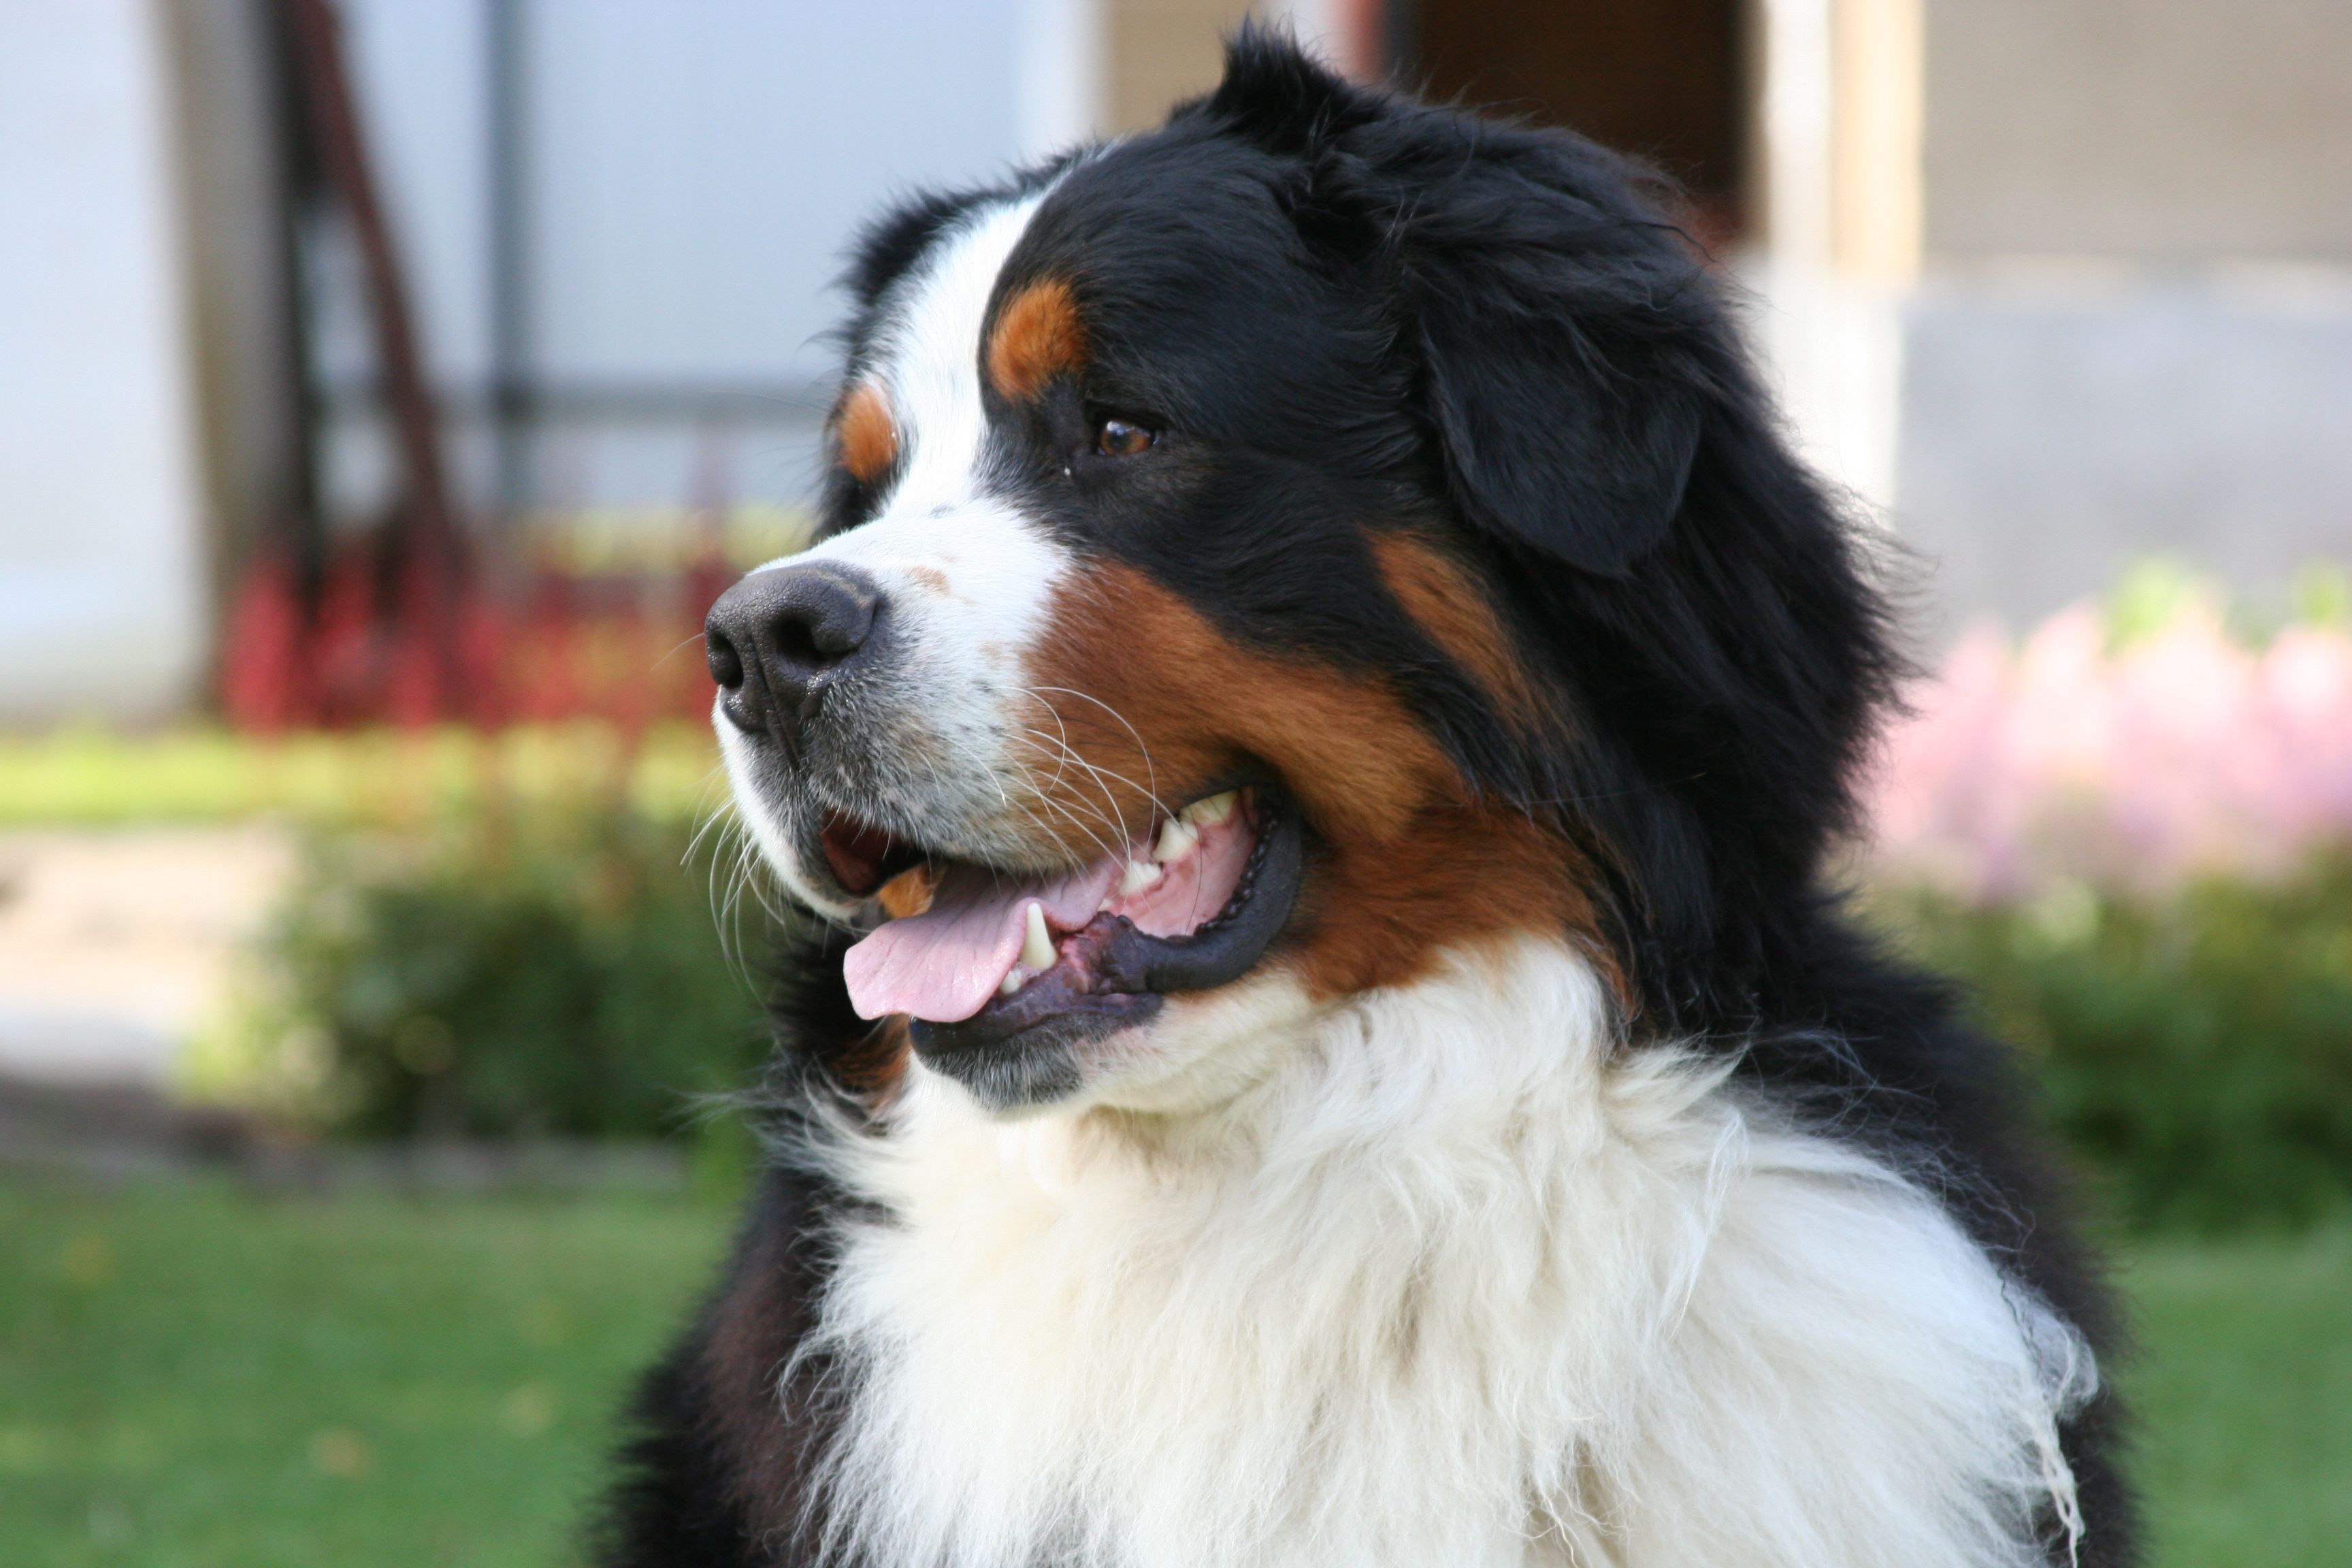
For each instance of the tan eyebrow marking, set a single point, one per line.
(1037, 336)
(864, 435)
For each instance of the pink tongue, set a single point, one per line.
(943, 964)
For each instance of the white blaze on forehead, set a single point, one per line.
(926, 353)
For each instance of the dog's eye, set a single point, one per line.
(1123, 438)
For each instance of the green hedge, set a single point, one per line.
(485, 978)
(2196, 1052)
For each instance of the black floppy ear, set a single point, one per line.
(1548, 445)
(1553, 312)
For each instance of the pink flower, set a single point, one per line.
(2064, 760)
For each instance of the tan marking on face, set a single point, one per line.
(1446, 601)
(929, 577)
(1037, 336)
(1416, 862)
(864, 435)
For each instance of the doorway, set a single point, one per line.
(1665, 80)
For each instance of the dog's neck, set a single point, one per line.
(1409, 1096)
(1408, 1296)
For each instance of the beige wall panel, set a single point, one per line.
(1163, 50)
(1874, 196)
(2154, 129)
(247, 406)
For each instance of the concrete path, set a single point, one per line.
(116, 945)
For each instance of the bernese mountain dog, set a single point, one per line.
(1314, 732)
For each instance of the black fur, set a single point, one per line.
(1345, 308)
(713, 1474)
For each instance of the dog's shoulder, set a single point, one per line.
(716, 1472)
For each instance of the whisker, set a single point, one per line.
(1111, 796)
(1150, 770)
(1103, 778)
(1111, 821)
(1094, 838)
(1062, 732)
(1062, 756)
(1063, 810)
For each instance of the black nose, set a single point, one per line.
(776, 639)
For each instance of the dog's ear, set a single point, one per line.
(1550, 306)
(1551, 309)
(1554, 436)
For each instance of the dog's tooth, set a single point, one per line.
(1013, 981)
(1037, 943)
(1212, 809)
(1139, 875)
(1178, 838)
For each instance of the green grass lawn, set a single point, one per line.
(2244, 1395)
(199, 1378)
(190, 1376)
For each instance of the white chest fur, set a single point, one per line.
(1458, 1283)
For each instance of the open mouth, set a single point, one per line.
(979, 957)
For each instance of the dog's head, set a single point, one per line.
(1263, 554)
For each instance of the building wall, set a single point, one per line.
(2132, 326)
(1156, 53)
(1161, 51)
(2058, 427)
(247, 391)
(693, 178)
(102, 600)
(2166, 131)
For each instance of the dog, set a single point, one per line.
(1313, 733)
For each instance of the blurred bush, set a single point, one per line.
(2128, 831)
(501, 973)
(2196, 1050)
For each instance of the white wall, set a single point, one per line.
(2057, 428)
(102, 563)
(697, 169)
(695, 173)
(698, 172)
(701, 167)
